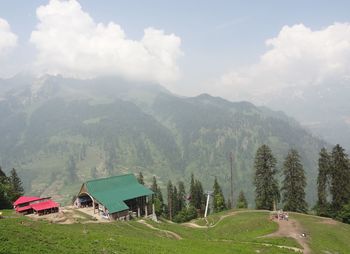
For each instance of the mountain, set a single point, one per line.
(324, 109)
(59, 132)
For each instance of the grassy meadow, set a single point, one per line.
(239, 233)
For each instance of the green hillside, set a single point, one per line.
(237, 232)
(60, 132)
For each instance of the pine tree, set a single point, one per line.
(294, 183)
(170, 190)
(199, 198)
(219, 200)
(4, 199)
(157, 197)
(192, 191)
(175, 201)
(154, 185)
(340, 173)
(140, 179)
(182, 196)
(266, 185)
(242, 201)
(16, 188)
(2, 175)
(324, 169)
(4, 191)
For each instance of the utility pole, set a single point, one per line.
(231, 164)
(207, 205)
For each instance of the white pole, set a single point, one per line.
(206, 207)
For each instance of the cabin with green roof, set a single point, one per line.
(115, 197)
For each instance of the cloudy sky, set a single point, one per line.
(241, 50)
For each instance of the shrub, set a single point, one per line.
(186, 214)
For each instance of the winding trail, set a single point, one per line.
(194, 225)
(167, 232)
(292, 229)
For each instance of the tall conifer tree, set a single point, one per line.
(4, 191)
(16, 188)
(266, 185)
(157, 197)
(170, 190)
(182, 196)
(140, 178)
(219, 200)
(294, 183)
(2, 175)
(340, 173)
(324, 169)
(199, 198)
(192, 191)
(175, 201)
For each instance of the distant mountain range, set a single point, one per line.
(324, 109)
(60, 132)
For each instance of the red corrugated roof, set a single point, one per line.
(44, 205)
(25, 199)
(23, 208)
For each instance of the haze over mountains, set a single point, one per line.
(59, 132)
(324, 110)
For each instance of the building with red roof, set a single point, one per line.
(24, 200)
(45, 207)
(30, 204)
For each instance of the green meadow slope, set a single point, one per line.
(237, 232)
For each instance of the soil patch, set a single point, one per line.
(291, 228)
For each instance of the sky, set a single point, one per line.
(240, 50)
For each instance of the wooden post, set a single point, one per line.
(138, 212)
(146, 211)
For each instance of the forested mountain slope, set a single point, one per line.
(59, 132)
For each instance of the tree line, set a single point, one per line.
(10, 188)
(333, 186)
(181, 206)
(267, 191)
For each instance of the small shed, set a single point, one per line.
(31, 204)
(45, 207)
(23, 204)
(114, 197)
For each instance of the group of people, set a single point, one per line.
(280, 215)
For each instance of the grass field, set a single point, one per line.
(238, 233)
(326, 235)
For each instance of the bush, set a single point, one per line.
(186, 214)
(325, 211)
(344, 214)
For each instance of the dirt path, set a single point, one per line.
(167, 232)
(194, 225)
(292, 229)
(289, 228)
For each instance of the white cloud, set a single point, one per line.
(69, 42)
(297, 58)
(8, 40)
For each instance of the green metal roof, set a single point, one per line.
(113, 191)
